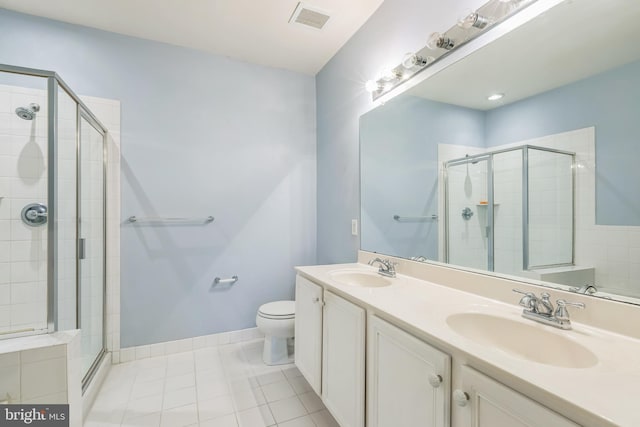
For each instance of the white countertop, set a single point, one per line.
(605, 394)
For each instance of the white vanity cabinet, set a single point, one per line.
(308, 330)
(330, 350)
(343, 360)
(484, 402)
(408, 381)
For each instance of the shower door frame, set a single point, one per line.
(525, 218)
(84, 113)
(54, 83)
(488, 156)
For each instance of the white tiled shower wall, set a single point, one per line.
(550, 208)
(23, 180)
(508, 212)
(67, 218)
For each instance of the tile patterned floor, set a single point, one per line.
(224, 386)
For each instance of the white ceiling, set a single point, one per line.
(256, 31)
(572, 41)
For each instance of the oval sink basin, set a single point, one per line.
(360, 278)
(522, 340)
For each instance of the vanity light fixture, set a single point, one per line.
(437, 40)
(439, 45)
(495, 96)
(475, 20)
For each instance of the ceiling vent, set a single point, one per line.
(309, 16)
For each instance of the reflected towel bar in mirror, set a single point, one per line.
(135, 219)
(415, 218)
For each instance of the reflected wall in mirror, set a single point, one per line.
(542, 183)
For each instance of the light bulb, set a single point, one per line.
(390, 74)
(372, 86)
(411, 60)
(437, 40)
(473, 19)
(495, 96)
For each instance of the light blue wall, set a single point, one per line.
(201, 135)
(398, 26)
(399, 165)
(609, 101)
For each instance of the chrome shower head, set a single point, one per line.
(28, 113)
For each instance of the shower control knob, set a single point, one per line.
(435, 380)
(460, 397)
(34, 214)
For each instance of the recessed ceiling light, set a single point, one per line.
(495, 96)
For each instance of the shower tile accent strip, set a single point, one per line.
(188, 344)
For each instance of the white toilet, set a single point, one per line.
(276, 321)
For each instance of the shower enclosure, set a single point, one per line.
(510, 210)
(52, 212)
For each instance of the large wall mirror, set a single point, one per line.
(540, 181)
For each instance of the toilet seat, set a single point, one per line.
(278, 310)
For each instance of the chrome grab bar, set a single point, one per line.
(134, 218)
(232, 280)
(433, 217)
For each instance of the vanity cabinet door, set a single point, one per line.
(408, 381)
(484, 402)
(343, 366)
(308, 331)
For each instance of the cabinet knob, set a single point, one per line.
(460, 397)
(435, 380)
(315, 300)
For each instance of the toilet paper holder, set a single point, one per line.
(231, 280)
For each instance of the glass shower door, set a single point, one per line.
(91, 247)
(469, 215)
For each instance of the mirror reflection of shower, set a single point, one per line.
(29, 112)
(523, 198)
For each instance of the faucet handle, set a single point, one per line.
(561, 310)
(529, 299)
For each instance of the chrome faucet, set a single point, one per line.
(584, 289)
(387, 267)
(541, 309)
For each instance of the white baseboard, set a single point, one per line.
(187, 344)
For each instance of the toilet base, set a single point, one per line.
(276, 351)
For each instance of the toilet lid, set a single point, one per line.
(279, 309)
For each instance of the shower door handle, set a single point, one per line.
(82, 251)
